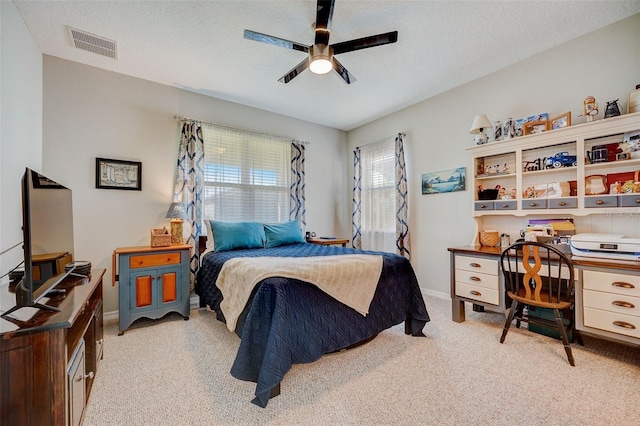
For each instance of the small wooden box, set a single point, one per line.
(160, 238)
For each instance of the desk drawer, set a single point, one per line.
(483, 205)
(477, 264)
(610, 321)
(475, 292)
(627, 305)
(599, 201)
(505, 205)
(475, 278)
(534, 204)
(621, 284)
(563, 203)
(629, 200)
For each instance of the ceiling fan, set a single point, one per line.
(321, 57)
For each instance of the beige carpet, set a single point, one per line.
(175, 372)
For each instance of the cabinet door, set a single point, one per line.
(169, 281)
(142, 291)
(99, 331)
(76, 386)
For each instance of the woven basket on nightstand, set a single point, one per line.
(160, 238)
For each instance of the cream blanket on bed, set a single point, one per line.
(351, 279)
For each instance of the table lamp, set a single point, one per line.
(177, 213)
(480, 124)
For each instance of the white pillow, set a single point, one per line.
(210, 244)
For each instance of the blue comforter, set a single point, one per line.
(288, 321)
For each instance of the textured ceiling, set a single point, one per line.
(199, 46)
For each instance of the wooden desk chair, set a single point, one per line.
(539, 275)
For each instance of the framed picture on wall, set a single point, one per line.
(118, 174)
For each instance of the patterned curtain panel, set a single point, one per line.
(356, 216)
(188, 186)
(297, 199)
(403, 245)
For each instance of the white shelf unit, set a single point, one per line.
(513, 154)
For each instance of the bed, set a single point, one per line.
(287, 321)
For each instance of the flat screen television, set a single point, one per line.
(47, 229)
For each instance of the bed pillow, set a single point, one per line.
(279, 234)
(210, 242)
(237, 235)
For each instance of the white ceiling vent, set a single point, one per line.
(93, 43)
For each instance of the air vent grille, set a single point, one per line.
(93, 43)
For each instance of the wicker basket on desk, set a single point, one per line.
(489, 238)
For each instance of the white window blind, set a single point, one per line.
(246, 177)
(378, 199)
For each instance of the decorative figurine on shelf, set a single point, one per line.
(508, 129)
(502, 193)
(513, 194)
(497, 131)
(612, 109)
(529, 193)
(505, 168)
(590, 108)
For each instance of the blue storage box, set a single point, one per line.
(546, 313)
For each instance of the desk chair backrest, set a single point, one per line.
(538, 273)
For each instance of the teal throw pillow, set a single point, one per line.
(279, 234)
(237, 235)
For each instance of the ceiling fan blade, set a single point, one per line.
(324, 14)
(264, 38)
(365, 42)
(342, 72)
(295, 71)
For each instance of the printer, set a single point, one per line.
(605, 246)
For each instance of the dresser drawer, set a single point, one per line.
(157, 259)
(621, 284)
(477, 264)
(627, 305)
(475, 278)
(475, 292)
(611, 321)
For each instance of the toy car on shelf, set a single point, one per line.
(561, 159)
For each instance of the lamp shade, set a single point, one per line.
(177, 211)
(480, 124)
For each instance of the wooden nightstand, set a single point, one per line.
(329, 241)
(153, 282)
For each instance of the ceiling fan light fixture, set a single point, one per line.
(320, 58)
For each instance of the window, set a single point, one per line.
(378, 202)
(246, 176)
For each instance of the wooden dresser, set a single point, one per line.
(48, 360)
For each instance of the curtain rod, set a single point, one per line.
(394, 136)
(181, 118)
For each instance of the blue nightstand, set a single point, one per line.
(153, 282)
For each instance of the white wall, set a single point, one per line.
(20, 124)
(603, 64)
(93, 113)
